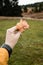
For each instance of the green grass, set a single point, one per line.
(29, 49)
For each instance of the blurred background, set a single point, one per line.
(29, 48)
(21, 8)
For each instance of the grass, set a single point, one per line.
(29, 49)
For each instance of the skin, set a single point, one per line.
(22, 25)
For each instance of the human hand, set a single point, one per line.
(13, 35)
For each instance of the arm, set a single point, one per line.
(12, 37)
(7, 47)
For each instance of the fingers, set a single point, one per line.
(22, 25)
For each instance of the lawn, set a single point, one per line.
(29, 49)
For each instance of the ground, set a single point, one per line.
(38, 15)
(29, 49)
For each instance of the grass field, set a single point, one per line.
(29, 49)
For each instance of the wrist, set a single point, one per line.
(8, 48)
(10, 44)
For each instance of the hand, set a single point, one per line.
(12, 36)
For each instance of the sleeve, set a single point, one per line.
(5, 52)
(4, 56)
